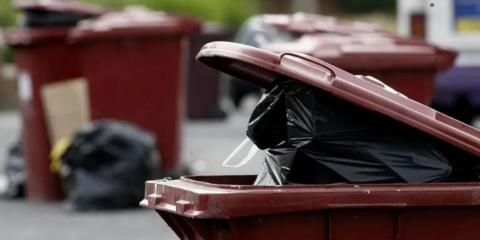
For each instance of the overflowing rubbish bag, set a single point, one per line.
(107, 164)
(15, 172)
(311, 136)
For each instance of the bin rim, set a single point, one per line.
(66, 6)
(209, 181)
(33, 36)
(197, 199)
(131, 24)
(262, 67)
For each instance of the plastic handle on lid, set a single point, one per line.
(331, 74)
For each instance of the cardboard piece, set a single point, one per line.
(66, 107)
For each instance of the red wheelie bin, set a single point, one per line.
(231, 207)
(301, 24)
(134, 65)
(203, 85)
(325, 37)
(306, 23)
(43, 56)
(408, 68)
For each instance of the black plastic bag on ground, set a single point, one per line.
(328, 140)
(15, 172)
(107, 165)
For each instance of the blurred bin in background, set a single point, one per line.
(43, 56)
(407, 64)
(266, 29)
(135, 63)
(408, 68)
(203, 85)
(305, 23)
(255, 32)
(54, 13)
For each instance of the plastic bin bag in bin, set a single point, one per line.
(313, 137)
(321, 124)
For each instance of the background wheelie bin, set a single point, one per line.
(231, 207)
(407, 67)
(255, 32)
(306, 23)
(134, 62)
(42, 56)
(317, 35)
(203, 85)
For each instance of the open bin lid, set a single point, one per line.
(263, 67)
(369, 52)
(61, 6)
(134, 23)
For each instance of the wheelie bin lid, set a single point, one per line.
(262, 67)
(134, 23)
(32, 37)
(313, 23)
(64, 6)
(369, 53)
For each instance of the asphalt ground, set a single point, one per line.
(205, 145)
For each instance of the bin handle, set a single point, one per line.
(331, 74)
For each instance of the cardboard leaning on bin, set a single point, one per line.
(229, 207)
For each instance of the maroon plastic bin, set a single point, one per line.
(409, 67)
(61, 6)
(204, 86)
(42, 56)
(230, 207)
(305, 23)
(135, 66)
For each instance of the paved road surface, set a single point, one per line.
(206, 144)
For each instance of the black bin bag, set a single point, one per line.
(312, 136)
(107, 165)
(45, 18)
